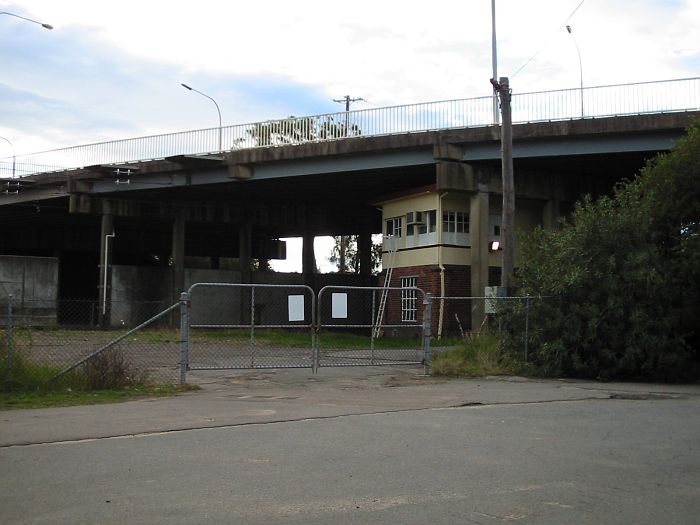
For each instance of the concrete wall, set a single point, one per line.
(140, 292)
(33, 284)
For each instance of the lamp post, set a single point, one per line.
(580, 65)
(13, 155)
(494, 60)
(217, 108)
(46, 26)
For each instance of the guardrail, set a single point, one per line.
(600, 101)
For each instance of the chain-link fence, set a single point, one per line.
(507, 317)
(233, 326)
(63, 334)
(247, 326)
(362, 326)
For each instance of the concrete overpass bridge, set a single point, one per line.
(198, 200)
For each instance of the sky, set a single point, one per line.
(112, 69)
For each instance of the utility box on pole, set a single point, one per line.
(491, 294)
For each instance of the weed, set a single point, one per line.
(477, 356)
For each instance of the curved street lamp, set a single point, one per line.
(580, 65)
(214, 101)
(13, 155)
(46, 26)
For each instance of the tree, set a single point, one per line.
(620, 280)
(346, 255)
(298, 130)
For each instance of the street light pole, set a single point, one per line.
(494, 59)
(217, 108)
(14, 157)
(46, 26)
(580, 65)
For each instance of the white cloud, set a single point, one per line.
(119, 63)
(111, 69)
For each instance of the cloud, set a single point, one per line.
(113, 69)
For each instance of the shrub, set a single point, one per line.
(621, 278)
(477, 356)
(110, 370)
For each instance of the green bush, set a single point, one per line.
(620, 279)
(106, 371)
(110, 370)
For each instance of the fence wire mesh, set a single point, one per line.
(58, 334)
(361, 326)
(509, 318)
(234, 326)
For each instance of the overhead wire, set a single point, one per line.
(563, 24)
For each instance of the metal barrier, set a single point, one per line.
(453, 317)
(62, 335)
(235, 326)
(352, 329)
(257, 326)
(599, 101)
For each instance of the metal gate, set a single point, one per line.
(233, 326)
(370, 326)
(249, 326)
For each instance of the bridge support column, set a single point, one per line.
(308, 259)
(479, 239)
(104, 286)
(245, 250)
(550, 214)
(177, 253)
(364, 247)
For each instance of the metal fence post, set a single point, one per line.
(8, 334)
(427, 326)
(527, 323)
(184, 336)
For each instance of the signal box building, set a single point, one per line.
(448, 245)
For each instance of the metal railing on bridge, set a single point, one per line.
(600, 101)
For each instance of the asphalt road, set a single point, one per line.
(383, 447)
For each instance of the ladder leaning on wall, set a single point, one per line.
(393, 245)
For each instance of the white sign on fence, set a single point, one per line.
(295, 304)
(339, 305)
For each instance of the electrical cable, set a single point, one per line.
(548, 41)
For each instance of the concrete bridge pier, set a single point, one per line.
(308, 259)
(178, 257)
(245, 250)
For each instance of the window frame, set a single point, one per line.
(409, 299)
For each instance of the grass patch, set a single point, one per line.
(285, 337)
(476, 357)
(108, 378)
(43, 398)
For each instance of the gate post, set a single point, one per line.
(427, 326)
(8, 334)
(184, 336)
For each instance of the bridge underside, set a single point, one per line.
(207, 211)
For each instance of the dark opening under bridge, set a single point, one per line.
(167, 203)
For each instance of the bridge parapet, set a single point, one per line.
(557, 105)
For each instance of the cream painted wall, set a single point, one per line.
(420, 202)
(528, 214)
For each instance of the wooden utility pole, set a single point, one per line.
(508, 215)
(348, 100)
